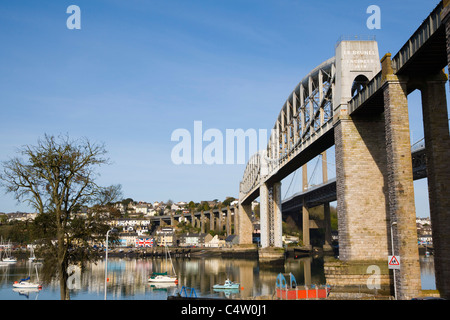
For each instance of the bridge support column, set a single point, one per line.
(270, 215)
(202, 222)
(264, 215)
(445, 16)
(305, 209)
(277, 216)
(220, 221)
(193, 222)
(400, 183)
(228, 221)
(212, 221)
(305, 225)
(173, 222)
(437, 144)
(327, 224)
(245, 227)
(360, 186)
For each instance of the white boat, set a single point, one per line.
(9, 260)
(8, 257)
(227, 285)
(27, 283)
(164, 277)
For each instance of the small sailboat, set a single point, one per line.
(26, 283)
(227, 285)
(2, 249)
(8, 257)
(32, 255)
(164, 277)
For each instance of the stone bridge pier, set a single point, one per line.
(271, 215)
(361, 106)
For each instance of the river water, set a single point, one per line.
(128, 278)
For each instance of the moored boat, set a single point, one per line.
(291, 291)
(162, 278)
(26, 284)
(227, 285)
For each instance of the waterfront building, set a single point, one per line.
(232, 240)
(194, 239)
(165, 236)
(127, 239)
(215, 242)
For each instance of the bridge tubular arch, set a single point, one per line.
(306, 115)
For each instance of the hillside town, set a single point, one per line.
(133, 223)
(135, 229)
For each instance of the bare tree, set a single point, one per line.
(57, 177)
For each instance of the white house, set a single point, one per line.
(127, 239)
(215, 242)
(143, 208)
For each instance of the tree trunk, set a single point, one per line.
(62, 267)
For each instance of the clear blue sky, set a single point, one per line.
(138, 70)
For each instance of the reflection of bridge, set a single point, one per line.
(361, 107)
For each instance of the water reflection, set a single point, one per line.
(427, 273)
(128, 278)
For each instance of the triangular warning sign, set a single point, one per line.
(394, 261)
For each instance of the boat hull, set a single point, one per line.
(302, 294)
(163, 279)
(236, 286)
(29, 285)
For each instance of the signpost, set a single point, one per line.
(394, 262)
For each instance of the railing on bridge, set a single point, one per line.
(400, 60)
(418, 39)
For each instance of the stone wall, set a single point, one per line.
(361, 200)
